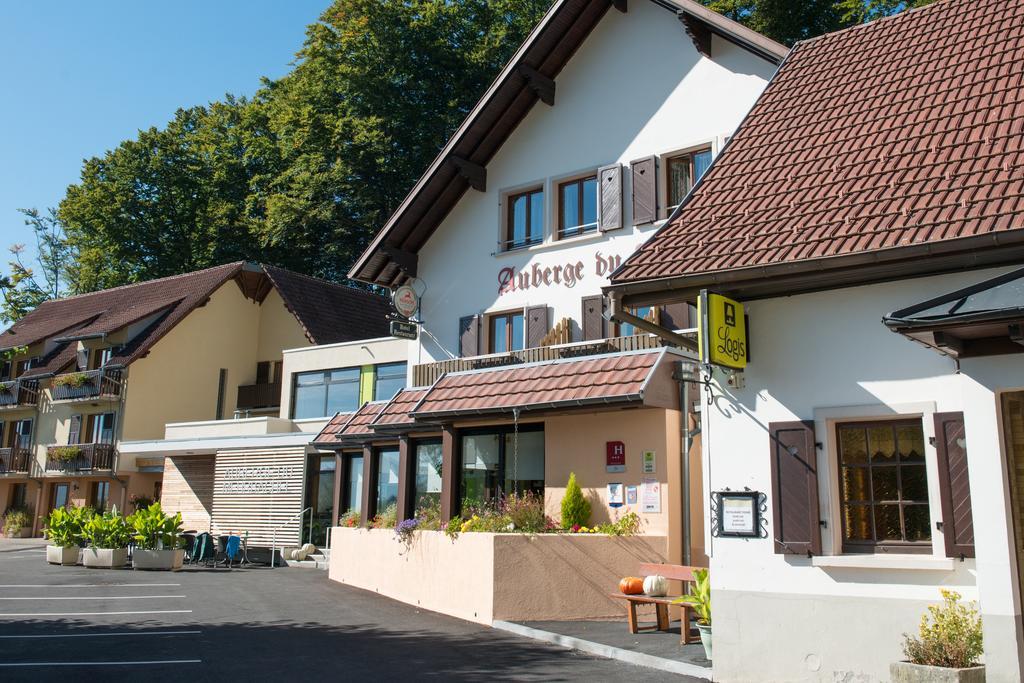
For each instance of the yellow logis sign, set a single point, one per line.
(723, 331)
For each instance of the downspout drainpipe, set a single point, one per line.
(684, 374)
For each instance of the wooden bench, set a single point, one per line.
(672, 572)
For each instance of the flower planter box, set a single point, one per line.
(23, 532)
(105, 558)
(905, 672)
(165, 560)
(56, 554)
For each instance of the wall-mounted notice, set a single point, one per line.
(615, 496)
(650, 498)
(649, 462)
(631, 495)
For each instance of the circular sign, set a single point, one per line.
(406, 301)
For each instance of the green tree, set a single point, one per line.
(575, 508)
(25, 287)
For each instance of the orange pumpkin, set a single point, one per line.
(632, 585)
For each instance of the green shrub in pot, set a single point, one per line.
(108, 536)
(15, 521)
(155, 530)
(63, 528)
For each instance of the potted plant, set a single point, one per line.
(75, 380)
(18, 523)
(63, 528)
(5, 387)
(108, 535)
(700, 598)
(947, 647)
(66, 454)
(157, 537)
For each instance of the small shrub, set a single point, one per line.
(575, 508)
(140, 502)
(428, 515)
(5, 387)
(64, 527)
(66, 453)
(155, 530)
(387, 519)
(107, 531)
(525, 512)
(76, 380)
(16, 519)
(950, 635)
(350, 519)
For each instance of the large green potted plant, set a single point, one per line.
(63, 528)
(700, 598)
(107, 535)
(18, 523)
(947, 647)
(157, 539)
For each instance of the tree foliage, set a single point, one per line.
(26, 286)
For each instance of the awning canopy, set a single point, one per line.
(985, 319)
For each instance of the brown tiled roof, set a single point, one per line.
(329, 434)
(395, 414)
(907, 131)
(331, 313)
(619, 378)
(328, 312)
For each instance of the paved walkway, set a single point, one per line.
(72, 623)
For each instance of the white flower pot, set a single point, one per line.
(56, 554)
(705, 639)
(105, 558)
(905, 672)
(166, 560)
(23, 532)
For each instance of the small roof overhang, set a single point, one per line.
(985, 319)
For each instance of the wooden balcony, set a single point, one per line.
(82, 457)
(82, 386)
(19, 393)
(427, 373)
(259, 396)
(15, 460)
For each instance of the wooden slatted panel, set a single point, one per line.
(794, 488)
(610, 201)
(188, 489)
(536, 325)
(258, 491)
(645, 190)
(954, 484)
(1013, 419)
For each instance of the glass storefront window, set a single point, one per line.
(493, 465)
(390, 379)
(387, 479)
(324, 393)
(427, 490)
(354, 484)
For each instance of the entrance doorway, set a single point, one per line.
(59, 496)
(1013, 425)
(320, 495)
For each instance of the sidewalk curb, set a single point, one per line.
(606, 651)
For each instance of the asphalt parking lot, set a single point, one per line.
(72, 623)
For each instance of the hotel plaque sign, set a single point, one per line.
(723, 331)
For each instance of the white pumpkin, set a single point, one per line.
(655, 586)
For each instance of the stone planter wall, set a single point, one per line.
(484, 577)
(166, 560)
(55, 554)
(105, 558)
(905, 672)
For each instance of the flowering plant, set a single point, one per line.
(350, 519)
(404, 529)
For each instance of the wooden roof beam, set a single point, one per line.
(406, 261)
(699, 32)
(474, 174)
(540, 84)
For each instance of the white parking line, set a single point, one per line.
(89, 614)
(105, 635)
(98, 597)
(158, 661)
(84, 585)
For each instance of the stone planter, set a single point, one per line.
(56, 554)
(23, 532)
(705, 639)
(905, 672)
(105, 558)
(166, 560)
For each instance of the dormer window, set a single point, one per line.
(525, 224)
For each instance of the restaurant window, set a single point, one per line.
(883, 486)
(99, 494)
(389, 380)
(505, 332)
(387, 480)
(682, 172)
(324, 393)
(427, 485)
(628, 330)
(577, 207)
(525, 221)
(352, 495)
(499, 461)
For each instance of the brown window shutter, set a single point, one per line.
(593, 321)
(678, 316)
(954, 484)
(469, 336)
(75, 429)
(645, 190)
(795, 488)
(537, 326)
(609, 199)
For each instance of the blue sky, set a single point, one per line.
(80, 77)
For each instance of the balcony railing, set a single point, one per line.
(76, 386)
(19, 393)
(82, 457)
(15, 460)
(259, 396)
(427, 373)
